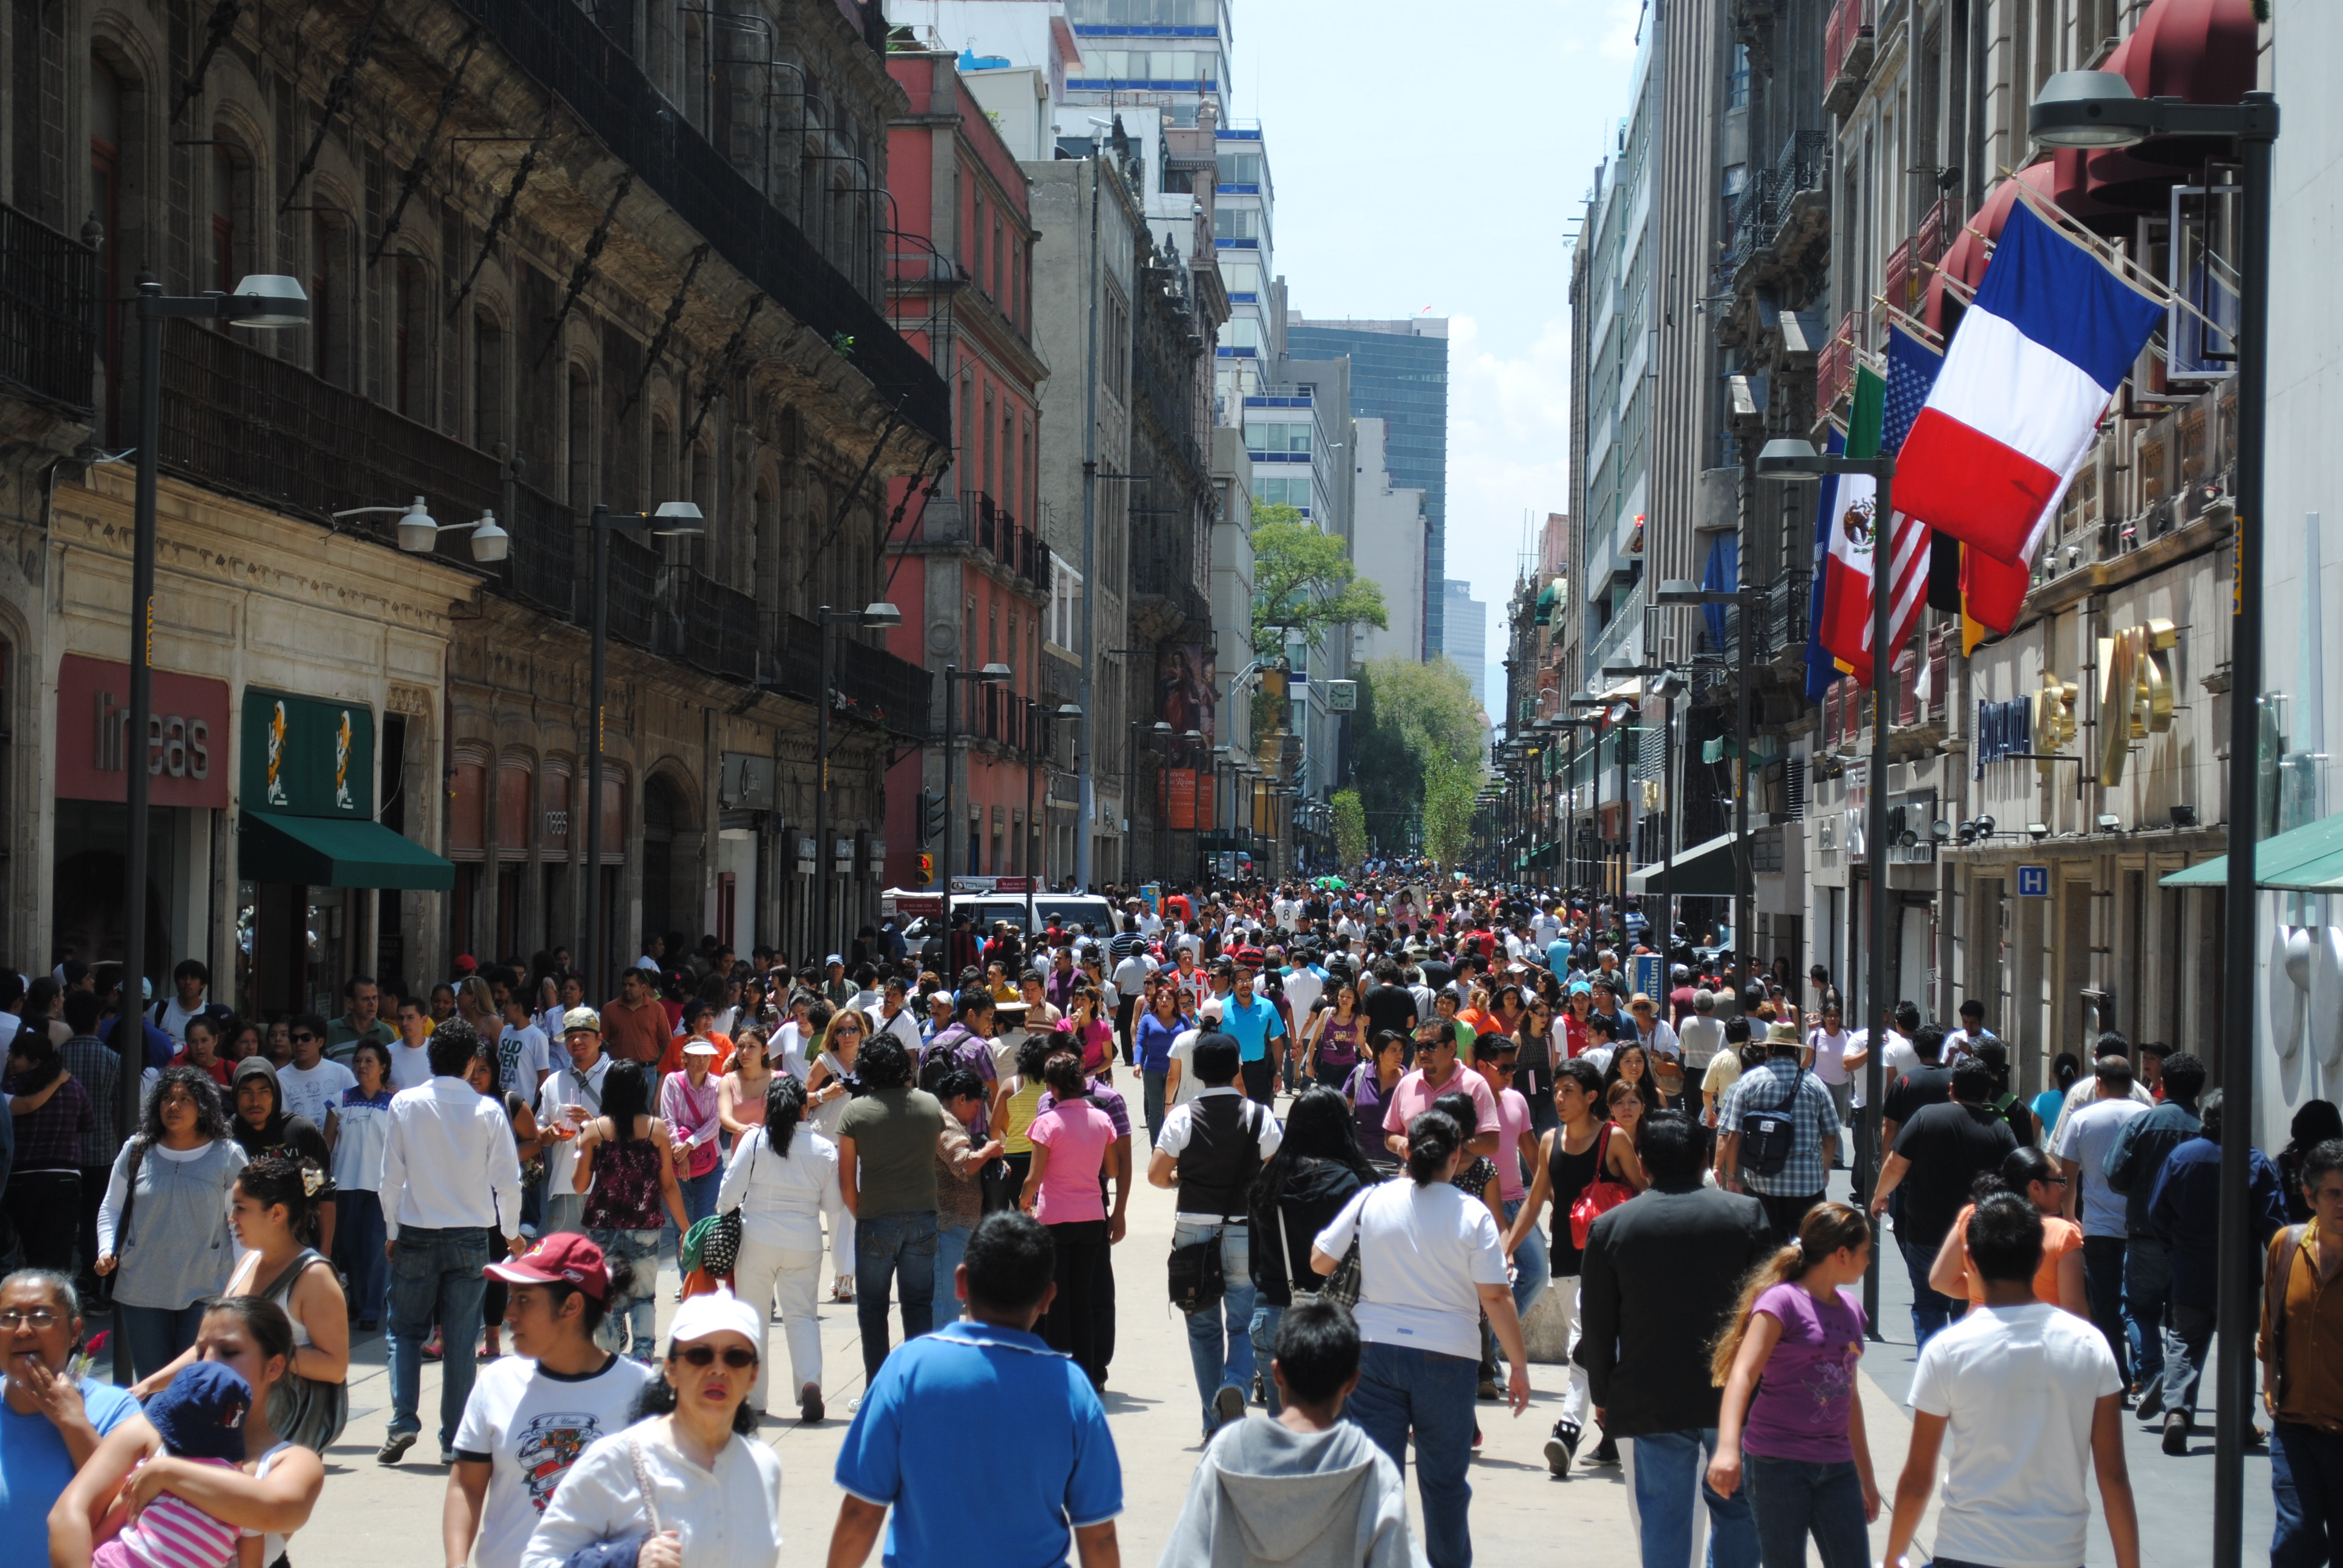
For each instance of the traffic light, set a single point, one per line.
(931, 817)
(926, 864)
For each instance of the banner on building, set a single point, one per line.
(1186, 696)
(307, 757)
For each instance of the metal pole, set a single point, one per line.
(590, 954)
(951, 686)
(1668, 846)
(1029, 833)
(1086, 789)
(1875, 860)
(821, 856)
(2235, 1283)
(131, 1046)
(1745, 875)
(1130, 805)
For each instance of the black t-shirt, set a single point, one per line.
(1436, 973)
(1920, 1088)
(1390, 1007)
(1949, 1144)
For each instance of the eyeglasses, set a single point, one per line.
(15, 1318)
(704, 1355)
(305, 1034)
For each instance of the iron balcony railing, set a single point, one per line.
(865, 682)
(710, 626)
(564, 48)
(980, 521)
(48, 311)
(1758, 214)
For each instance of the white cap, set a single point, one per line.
(699, 1047)
(717, 1313)
(834, 959)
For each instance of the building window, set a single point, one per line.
(1281, 492)
(1736, 83)
(488, 381)
(1265, 437)
(1065, 613)
(410, 341)
(1239, 168)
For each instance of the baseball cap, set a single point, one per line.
(834, 959)
(715, 1312)
(564, 1258)
(578, 1017)
(466, 963)
(199, 1414)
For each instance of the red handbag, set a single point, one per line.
(1600, 1196)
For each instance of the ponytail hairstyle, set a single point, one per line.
(1827, 1228)
(784, 1109)
(1431, 1139)
(279, 1179)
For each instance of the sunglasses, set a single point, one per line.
(305, 1034)
(705, 1356)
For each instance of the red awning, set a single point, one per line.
(2198, 51)
(1964, 258)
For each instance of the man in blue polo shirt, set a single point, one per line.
(51, 1421)
(919, 1442)
(1254, 1020)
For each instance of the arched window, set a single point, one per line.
(330, 316)
(105, 122)
(229, 194)
(488, 380)
(707, 547)
(410, 363)
(580, 421)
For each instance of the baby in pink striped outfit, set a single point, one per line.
(200, 1418)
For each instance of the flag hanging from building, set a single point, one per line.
(1854, 503)
(1821, 668)
(2051, 335)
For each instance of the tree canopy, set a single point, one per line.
(1415, 753)
(1303, 584)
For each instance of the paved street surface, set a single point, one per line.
(372, 1516)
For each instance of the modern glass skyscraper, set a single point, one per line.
(1399, 374)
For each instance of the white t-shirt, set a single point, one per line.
(522, 1055)
(1702, 1037)
(2085, 1138)
(1303, 987)
(1960, 1042)
(2017, 1386)
(1899, 1059)
(311, 1092)
(1183, 1051)
(1830, 1054)
(530, 1425)
(410, 1065)
(1422, 1251)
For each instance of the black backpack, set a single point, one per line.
(1767, 1136)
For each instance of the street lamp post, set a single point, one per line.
(2098, 109)
(954, 677)
(260, 300)
(1788, 457)
(871, 615)
(1130, 793)
(673, 519)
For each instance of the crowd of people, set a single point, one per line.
(1399, 1122)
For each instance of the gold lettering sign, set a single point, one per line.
(2054, 718)
(2135, 692)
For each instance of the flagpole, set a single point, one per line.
(1875, 855)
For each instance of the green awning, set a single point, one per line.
(329, 853)
(1704, 870)
(2308, 859)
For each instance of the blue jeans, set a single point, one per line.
(357, 1246)
(1667, 1467)
(951, 1246)
(630, 1326)
(1531, 1269)
(1150, 1101)
(156, 1335)
(1794, 1499)
(1402, 1388)
(700, 1193)
(435, 1271)
(1266, 1316)
(1930, 1312)
(898, 1248)
(2147, 1303)
(2103, 1281)
(2306, 1482)
(1220, 1344)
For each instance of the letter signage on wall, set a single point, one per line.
(2003, 729)
(305, 756)
(2135, 692)
(186, 736)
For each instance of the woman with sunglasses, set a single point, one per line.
(709, 1483)
(2034, 1177)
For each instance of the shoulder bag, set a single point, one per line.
(304, 1409)
(1196, 1279)
(1768, 1136)
(1600, 1195)
(1341, 1286)
(2280, 1276)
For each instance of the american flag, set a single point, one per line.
(1912, 368)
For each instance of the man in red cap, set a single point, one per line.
(534, 1411)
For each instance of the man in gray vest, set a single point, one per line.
(1210, 1148)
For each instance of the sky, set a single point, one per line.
(1422, 167)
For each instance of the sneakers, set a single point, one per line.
(1488, 1389)
(394, 1447)
(809, 1408)
(1607, 1451)
(1561, 1448)
(1228, 1405)
(2176, 1434)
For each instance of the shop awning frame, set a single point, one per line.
(1709, 870)
(2305, 859)
(331, 852)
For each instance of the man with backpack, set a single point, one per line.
(1776, 1125)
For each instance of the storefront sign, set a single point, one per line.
(186, 736)
(304, 757)
(2135, 692)
(2003, 729)
(748, 782)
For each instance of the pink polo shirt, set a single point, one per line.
(1411, 1097)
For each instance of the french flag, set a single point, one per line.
(2051, 334)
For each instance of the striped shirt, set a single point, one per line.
(172, 1532)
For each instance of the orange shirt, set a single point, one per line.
(672, 1059)
(639, 1033)
(2059, 1237)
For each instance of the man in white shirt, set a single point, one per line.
(893, 1015)
(524, 1057)
(578, 1084)
(2080, 1147)
(1973, 1032)
(451, 1206)
(2026, 1392)
(312, 1085)
(1181, 1084)
(190, 982)
(1304, 984)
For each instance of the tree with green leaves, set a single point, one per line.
(1349, 827)
(1415, 752)
(1303, 584)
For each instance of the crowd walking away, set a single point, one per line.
(1401, 1132)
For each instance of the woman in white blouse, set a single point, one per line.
(783, 1178)
(689, 1483)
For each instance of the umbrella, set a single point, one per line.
(1335, 884)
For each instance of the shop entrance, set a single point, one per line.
(89, 871)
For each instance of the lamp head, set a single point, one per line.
(882, 615)
(677, 520)
(1160, 727)
(1070, 711)
(491, 543)
(267, 299)
(2037, 831)
(2089, 109)
(1788, 457)
(995, 671)
(416, 532)
(1984, 826)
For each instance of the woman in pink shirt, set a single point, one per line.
(1065, 1189)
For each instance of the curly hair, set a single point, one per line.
(211, 1115)
(278, 1178)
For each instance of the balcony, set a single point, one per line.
(1007, 720)
(1783, 201)
(1849, 43)
(981, 522)
(48, 312)
(1163, 569)
(866, 682)
(1834, 368)
(1619, 643)
(565, 49)
(710, 626)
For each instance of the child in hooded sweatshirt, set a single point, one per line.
(199, 1416)
(1303, 1489)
